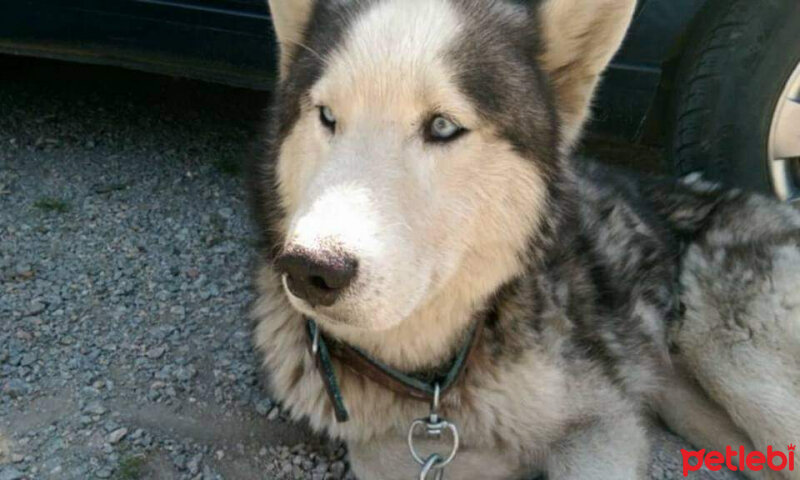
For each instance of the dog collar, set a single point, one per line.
(412, 386)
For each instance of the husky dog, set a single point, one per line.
(418, 181)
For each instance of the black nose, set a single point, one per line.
(319, 279)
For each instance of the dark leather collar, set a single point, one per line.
(414, 386)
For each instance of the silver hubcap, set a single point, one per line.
(784, 142)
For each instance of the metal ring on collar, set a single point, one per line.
(440, 426)
(315, 342)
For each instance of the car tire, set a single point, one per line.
(730, 82)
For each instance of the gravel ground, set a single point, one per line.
(125, 350)
(124, 282)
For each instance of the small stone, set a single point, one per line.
(16, 388)
(110, 425)
(157, 352)
(299, 449)
(153, 395)
(104, 472)
(23, 268)
(35, 308)
(264, 406)
(23, 335)
(194, 464)
(179, 461)
(27, 359)
(95, 408)
(185, 374)
(17, 458)
(117, 435)
(164, 373)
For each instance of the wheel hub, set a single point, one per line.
(784, 142)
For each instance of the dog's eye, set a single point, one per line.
(327, 118)
(442, 129)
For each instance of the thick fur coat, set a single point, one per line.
(428, 142)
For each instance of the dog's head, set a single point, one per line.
(417, 144)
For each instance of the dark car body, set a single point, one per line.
(230, 41)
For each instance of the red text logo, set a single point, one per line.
(736, 460)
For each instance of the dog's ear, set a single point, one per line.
(579, 39)
(290, 18)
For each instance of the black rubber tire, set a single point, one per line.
(730, 78)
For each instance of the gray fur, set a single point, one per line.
(637, 294)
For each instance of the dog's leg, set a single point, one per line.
(740, 337)
(687, 411)
(613, 447)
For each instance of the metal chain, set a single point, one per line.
(434, 426)
(431, 465)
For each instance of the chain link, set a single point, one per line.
(434, 426)
(432, 466)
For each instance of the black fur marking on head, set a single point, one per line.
(496, 63)
(496, 60)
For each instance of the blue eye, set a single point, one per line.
(327, 118)
(442, 129)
